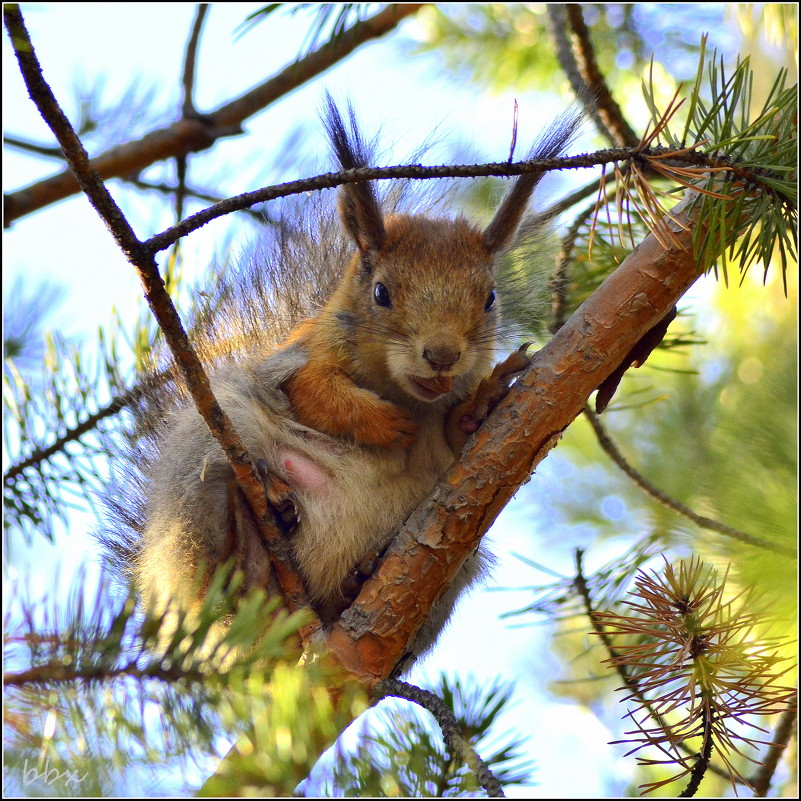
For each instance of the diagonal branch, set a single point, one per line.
(459, 746)
(605, 441)
(163, 309)
(192, 135)
(788, 721)
(577, 58)
(373, 634)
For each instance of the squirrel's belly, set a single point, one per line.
(351, 500)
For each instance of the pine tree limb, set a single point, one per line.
(456, 743)
(583, 589)
(193, 135)
(609, 447)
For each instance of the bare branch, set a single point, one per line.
(192, 135)
(781, 737)
(48, 151)
(577, 58)
(560, 280)
(167, 316)
(188, 78)
(609, 447)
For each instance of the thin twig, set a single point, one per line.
(458, 745)
(167, 316)
(781, 736)
(609, 447)
(188, 77)
(568, 201)
(198, 194)
(54, 673)
(188, 106)
(560, 280)
(415, 171)
(49, 151)
(514, 133)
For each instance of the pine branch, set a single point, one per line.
(577, 58)
(193, 135)
(254, 486)
(458, 746)
(609, 447)
(580, 583)
(72, 434)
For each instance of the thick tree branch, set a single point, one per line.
(192, 135)
(163, 309)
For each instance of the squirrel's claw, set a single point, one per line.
(466, 418)
(281, 498)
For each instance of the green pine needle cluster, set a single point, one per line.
(750, 211)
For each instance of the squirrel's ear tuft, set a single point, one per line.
(358, 204)
(500, 233)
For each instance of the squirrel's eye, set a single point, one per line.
(381, 295)
(490, 301)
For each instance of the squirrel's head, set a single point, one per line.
(419, 295)
(423, 305)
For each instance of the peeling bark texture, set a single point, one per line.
(445, 529)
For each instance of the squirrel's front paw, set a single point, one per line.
(493, 389)
(468, 416)
(387, 426)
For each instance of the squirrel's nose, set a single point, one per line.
(441, 357)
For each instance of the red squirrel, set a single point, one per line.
(360, 410)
